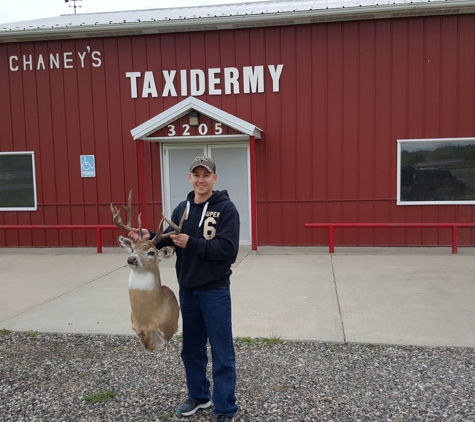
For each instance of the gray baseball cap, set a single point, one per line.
(203, 161)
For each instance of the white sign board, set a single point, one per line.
(88, 167)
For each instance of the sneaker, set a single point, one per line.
(224, 418)
(191, 406)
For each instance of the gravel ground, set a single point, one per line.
(48, 377)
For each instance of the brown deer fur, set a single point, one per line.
(155, 310)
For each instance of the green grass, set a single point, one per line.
(4, 332)
(248, 340)
(334, 346)
(272, 340)
(266, 341)
(166, 416)
(32, 334)
(100, 397)
(281, 388)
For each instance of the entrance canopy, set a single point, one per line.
(168, 116)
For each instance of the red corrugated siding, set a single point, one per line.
(348, 91)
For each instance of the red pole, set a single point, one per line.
(142, 190)
(331, 239)
(252, 148)
(454, 239)
(99, 240)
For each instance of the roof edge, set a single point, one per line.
(242, 21)
(183, 107)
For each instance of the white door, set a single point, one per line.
(232, 168)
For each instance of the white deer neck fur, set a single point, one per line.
(139, 279)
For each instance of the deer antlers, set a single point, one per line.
(117, 220)
(177, 229)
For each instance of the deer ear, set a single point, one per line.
(166, 252)
(126, 243)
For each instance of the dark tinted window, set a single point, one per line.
(437, 171)
(17, 188)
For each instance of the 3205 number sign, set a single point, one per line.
(202, 129)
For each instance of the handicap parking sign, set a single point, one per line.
(88, 168)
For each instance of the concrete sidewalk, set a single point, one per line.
(413, 296)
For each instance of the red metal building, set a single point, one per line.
(303, 106)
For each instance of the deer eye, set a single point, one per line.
(151, 253)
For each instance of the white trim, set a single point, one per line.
(183, 107)
(398, 181)
(206, 138)
(435, 140)
(33, 169)
(398, 175)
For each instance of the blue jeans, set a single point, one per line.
(207, 315)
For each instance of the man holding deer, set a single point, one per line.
(206, 246)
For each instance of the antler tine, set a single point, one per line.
(160, 236)
(177, 229)
(140, 226)
(117, 220)
(128, 209)
(174, 226)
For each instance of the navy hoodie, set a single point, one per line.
(213, 230)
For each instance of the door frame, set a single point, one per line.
(207, 144)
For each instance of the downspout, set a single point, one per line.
(252, 150)
(142, 190)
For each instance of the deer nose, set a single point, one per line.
(131, 260)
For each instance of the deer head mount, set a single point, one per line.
(155, 309)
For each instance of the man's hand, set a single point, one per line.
(180, 240)
(134, 234)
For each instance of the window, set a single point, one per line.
(17, 181)
(436, 171)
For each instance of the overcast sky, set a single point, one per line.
(22, 10)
